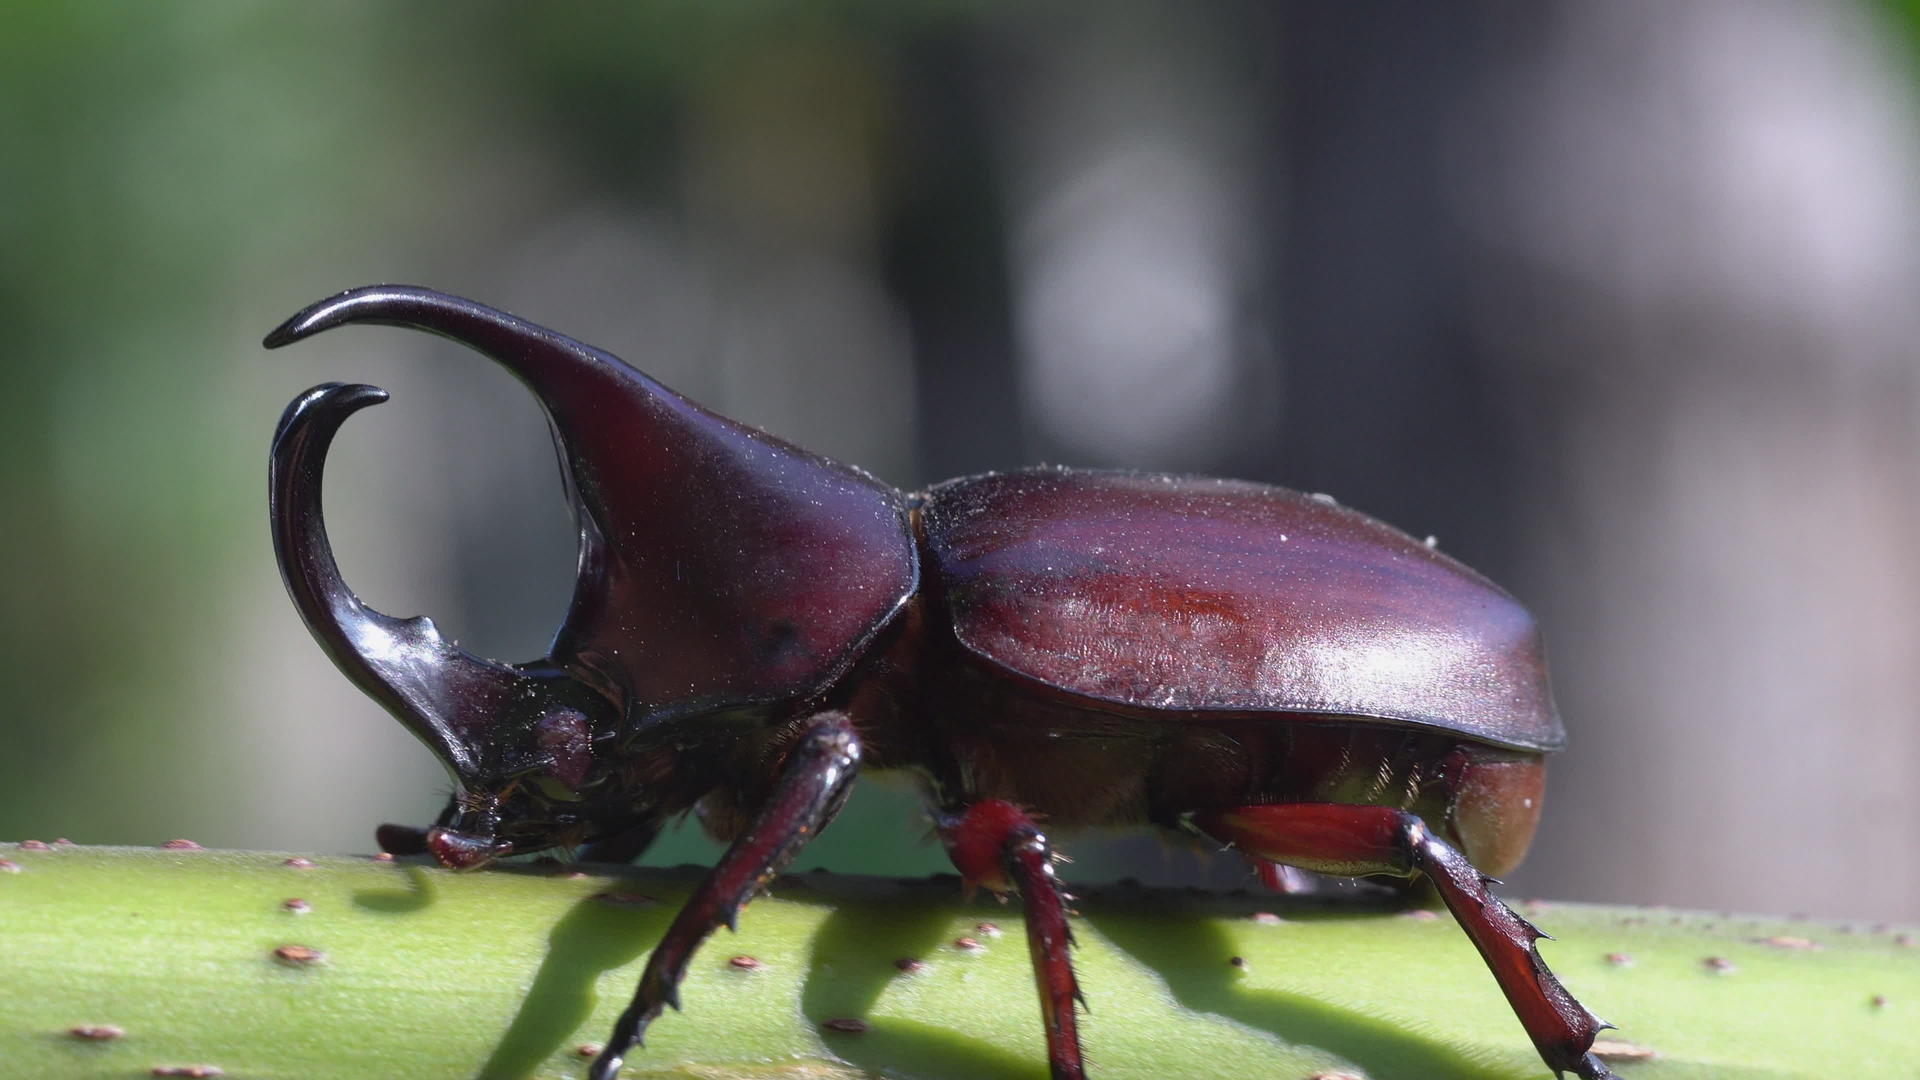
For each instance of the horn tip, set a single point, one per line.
(329, 403)
(368, 302)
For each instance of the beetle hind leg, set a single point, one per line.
(995, 844)
(813, 784)
(1340, 839)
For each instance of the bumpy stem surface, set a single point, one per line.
(117, 962)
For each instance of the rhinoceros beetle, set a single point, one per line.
(753, 623)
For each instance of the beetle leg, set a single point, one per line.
(997, 845)
(1347, 840)
(813, 783)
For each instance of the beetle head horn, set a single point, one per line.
(480, 717)
(720, 567)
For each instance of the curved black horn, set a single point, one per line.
(678, 510)
(534, 353)
(447, 697)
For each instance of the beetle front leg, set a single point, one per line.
(1347, 840)
(995, 844)
(813, 784)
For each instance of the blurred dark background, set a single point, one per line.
(1615, 297)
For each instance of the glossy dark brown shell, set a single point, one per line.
(1181, 594)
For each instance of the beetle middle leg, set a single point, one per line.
(995, 844)
(812, 785)
(1350, 840)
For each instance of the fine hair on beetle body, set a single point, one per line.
(755, 624)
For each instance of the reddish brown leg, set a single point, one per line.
(996, 845)
(813, 783)
(1347, 840)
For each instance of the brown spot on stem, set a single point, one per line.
(588, 1050)
(61, 841)
(1719, 965)
(96, 1032)
(1878, 1001)
(910, 965)
(8, 866)
(181, 844)
(384, 856)
(1903, 940)
(986, 929)
(1619, 959)
(1237, 961)
(1420, 914)
(1620, 1050)
(568, 873)
(967, 944)
(33, 845)
(197, 1072)
(299, 955)
(299, 862)
(1336, 1076)
(1266, 918)
(745, 963)
(296, 905)
(846, 1025)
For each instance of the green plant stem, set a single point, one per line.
(503, 974)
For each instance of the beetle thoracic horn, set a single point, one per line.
(432, 686)
(690, 608)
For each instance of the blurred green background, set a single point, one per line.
(1615, 297)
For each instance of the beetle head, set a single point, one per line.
(517, 740)
(720, 569)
